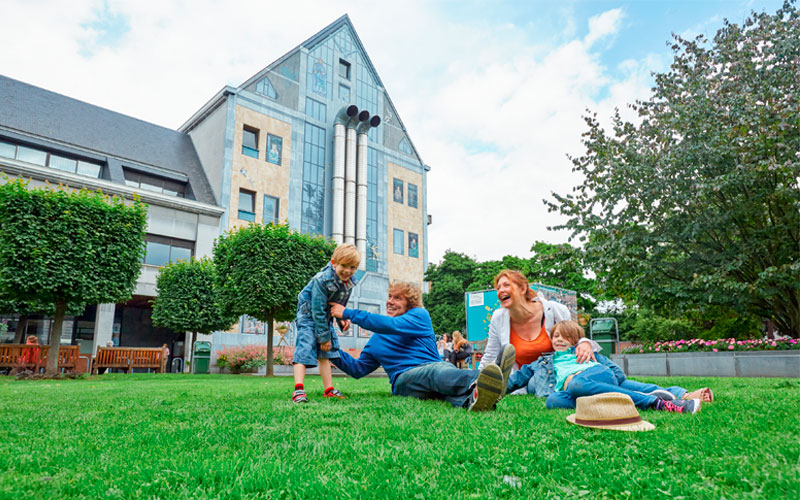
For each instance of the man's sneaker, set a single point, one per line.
(487, 388)
(299, 396)
(688, 406)
(662, 394)
(506, 360)
(334, 393)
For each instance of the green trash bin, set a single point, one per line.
(201, 358)
(605, 332)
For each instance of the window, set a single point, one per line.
(372, 210)
(264, 87)
(405, 147)
(274, 149)
(344, 69)
(247, 208)
(147, 182)
(316, 109)
(412, 195)
(344, 93)
(413, 245)
(397, 242)
(312, 211)
(161, 250)
(271, 208)
(250, 142)
(45, 159)
(398, 191)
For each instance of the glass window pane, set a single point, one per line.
(270, 210)
(149, 185)
(157, 253)
(31, 155)
(86, 168)
(8, 150)
(398, 241)
(249, 139)
(180, 253)
(412, 195)
(246, 201)
(133, 183)
(61, 163)
(251, 152)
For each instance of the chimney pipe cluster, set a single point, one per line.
(350, 177)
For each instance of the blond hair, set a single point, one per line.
(408, 290)
(346, 255)
(518, 279)
(570, 330)
(32, 339)
(458, 340)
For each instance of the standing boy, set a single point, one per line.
(316, 336)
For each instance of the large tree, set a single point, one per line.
(448, 281)
(64, 247)
(696, 204)
(262, 269)
(188, 301)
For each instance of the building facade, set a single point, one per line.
(312, 140)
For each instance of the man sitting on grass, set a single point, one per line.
(404, 344)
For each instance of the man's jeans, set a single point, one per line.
(441, 381)
(597, 380)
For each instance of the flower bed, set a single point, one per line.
(720, 345)
(249, 358)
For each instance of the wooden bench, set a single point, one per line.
(34, 357)
(128, 358)
(478, 348)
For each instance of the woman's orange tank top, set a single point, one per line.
(529, 351)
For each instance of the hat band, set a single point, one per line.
(603, 423)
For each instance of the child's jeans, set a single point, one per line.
(306, 350)
(595, 380)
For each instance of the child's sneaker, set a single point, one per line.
(506, 361)
(662, 394)
(487, 388)
(333, 393)
(689, 406)
(299, 396)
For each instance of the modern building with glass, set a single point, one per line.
(312, 140)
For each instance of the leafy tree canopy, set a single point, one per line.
(67, 248)
(696, 204)
(187, 298)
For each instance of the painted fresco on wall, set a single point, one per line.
(320, 77)
(412, 195)
(370, 308)
(398, 191)
(413, 245)
(274, 149)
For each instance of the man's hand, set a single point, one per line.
(583, 352)
(336, 310)
(325, 346)
(345, 325)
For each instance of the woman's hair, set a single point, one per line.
(408, 290)
(446, 337)
(518, 279)
(458, 340)
(570, 330)
(32, 339)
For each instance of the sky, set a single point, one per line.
(492, 93)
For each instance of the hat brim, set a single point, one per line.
(639, 426)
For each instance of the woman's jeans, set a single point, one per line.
(441, 381)
(597, 380)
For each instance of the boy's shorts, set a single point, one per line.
(306, 349)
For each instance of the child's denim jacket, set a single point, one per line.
(313, 300)
(540, 377)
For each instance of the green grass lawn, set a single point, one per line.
(229, 437)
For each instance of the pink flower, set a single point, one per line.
(774, 344)
(714, 350)
(658, 349)
(731, 347)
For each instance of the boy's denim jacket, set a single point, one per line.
(541, 377)
(313, 300)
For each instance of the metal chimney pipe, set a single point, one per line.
(361, 186)
(339, 130)
(350, 179)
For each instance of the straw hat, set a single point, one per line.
(610, 410)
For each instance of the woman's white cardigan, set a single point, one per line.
(500, 329)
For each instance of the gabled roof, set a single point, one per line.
(47, 115)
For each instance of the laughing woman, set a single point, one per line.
(526, 320)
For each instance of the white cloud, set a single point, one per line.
(491, 108)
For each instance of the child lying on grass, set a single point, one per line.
(560, 378)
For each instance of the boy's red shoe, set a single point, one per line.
(334, 393)
(299, 396)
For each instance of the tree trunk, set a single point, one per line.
(55, 340)
(22, 325)
(188, 349)
(270, 328)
